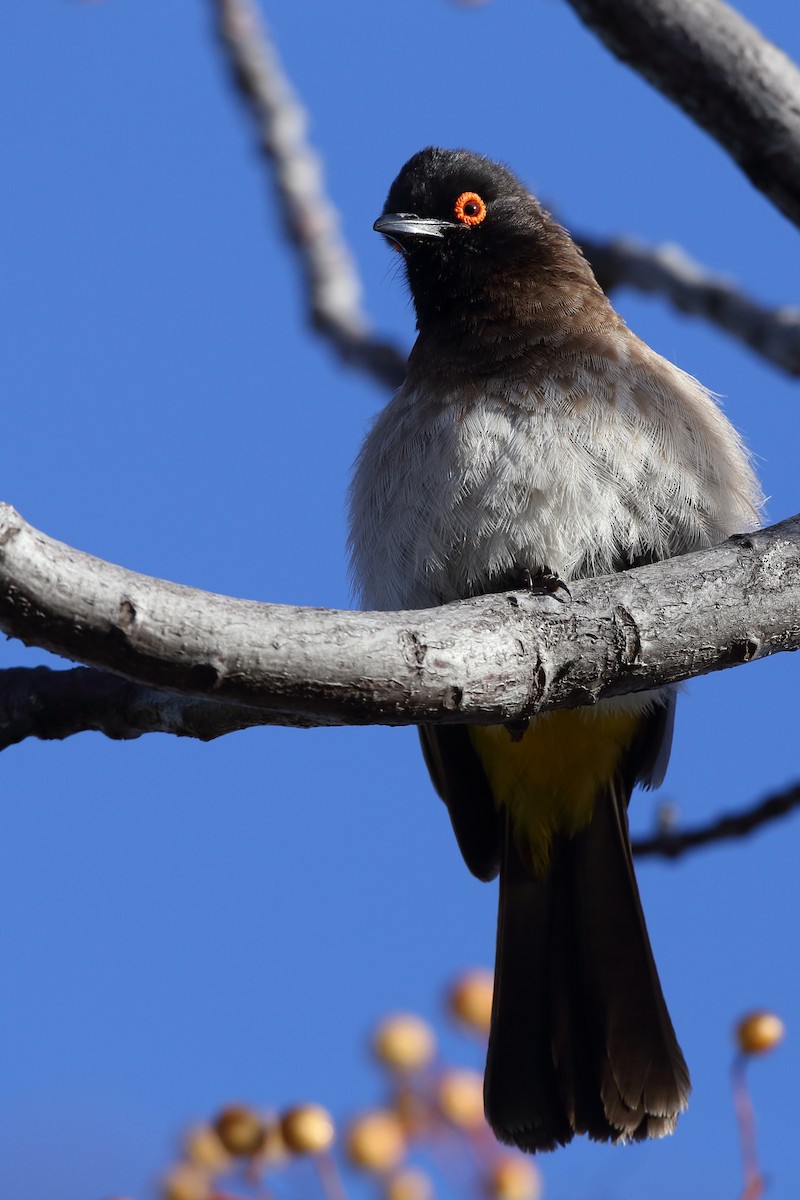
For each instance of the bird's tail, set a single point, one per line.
(581, 1040)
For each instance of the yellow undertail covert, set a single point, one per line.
(549, 779)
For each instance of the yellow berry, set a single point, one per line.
(404, 1042)
(460, 1096)
(514, 1178)
(408, 1184)
(186, 1182)
(308, 1129)
(759, 1032)
(241, 1130)
(470, 1000)
(202, 1146)
(376, 1141)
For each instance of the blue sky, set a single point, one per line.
(189, 924)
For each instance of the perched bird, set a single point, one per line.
(534, 435)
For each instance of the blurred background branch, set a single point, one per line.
(673, 842)
(727, 77)
(331, 275)
(668, 271)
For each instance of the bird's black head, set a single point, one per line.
(470, 233)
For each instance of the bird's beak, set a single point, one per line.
(401, 226)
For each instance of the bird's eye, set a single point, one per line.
(470, 209)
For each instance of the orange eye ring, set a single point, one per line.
(470, 209)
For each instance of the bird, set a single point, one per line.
(537, 438)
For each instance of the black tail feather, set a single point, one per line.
(521, 1093)
(581, 1039)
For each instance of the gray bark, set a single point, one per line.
(722, 72)
(490, 659)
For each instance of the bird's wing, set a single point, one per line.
(459, 778)
(646, 761)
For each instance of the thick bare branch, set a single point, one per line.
(673, 843)
(332, 282)
(668, 271)
(493, 658)
(722, 72)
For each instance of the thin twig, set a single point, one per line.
(745, 1120)
(672, 844)
(329, 1177)
(311, 220)
(668, 271)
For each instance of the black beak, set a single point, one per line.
(402, 226)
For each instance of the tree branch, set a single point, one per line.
(39, 702)
(490, 659)
(673, 843)
(51, 705)
(668, 271)
(235, 664)
(332, 282)
(331, 276)
(722, 72)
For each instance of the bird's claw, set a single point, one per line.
(544, 582)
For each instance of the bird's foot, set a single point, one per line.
(543, 582)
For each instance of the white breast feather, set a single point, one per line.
(450, 491)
